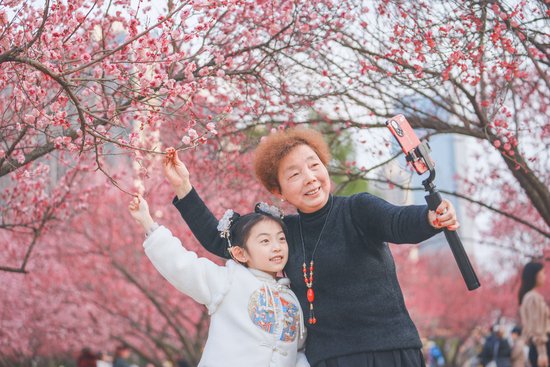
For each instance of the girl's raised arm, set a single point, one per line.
(197, 277)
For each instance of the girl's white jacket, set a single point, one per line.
(256, 320)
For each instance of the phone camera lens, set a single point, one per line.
(397, 128)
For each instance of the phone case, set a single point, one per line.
(407, 139)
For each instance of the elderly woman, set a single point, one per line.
(339, 263)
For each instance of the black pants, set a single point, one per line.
(391, 358)
(534, 355)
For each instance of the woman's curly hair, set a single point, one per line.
(274, 147)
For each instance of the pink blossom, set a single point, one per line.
(29, 119)
(3, 17)
(192, 134)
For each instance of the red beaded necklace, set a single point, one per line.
(309, 279)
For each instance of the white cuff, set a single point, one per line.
(152, 229)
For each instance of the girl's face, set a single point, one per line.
(541, 278)
(304, 179)
(266, 248)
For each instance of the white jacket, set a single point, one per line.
(256, 320)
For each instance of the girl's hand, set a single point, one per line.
(176, 173)
(139, 209)
(542, 361)
(444, 216)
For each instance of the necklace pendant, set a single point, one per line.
(312, 320)
(308, 278)
(310, 295)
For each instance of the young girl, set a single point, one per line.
(339, 263)
(256, 320)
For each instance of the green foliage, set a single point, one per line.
(343, 150)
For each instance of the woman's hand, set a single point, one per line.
(444, 216)
(139, 209)
(176, 173)
(542, 361)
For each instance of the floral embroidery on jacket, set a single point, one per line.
(262, 312)
(291, 315)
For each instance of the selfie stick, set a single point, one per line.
(422, 152)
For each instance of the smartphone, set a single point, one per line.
(407, 139)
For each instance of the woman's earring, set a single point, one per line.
(282, 200)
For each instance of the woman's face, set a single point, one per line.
(304, 179)
(541, 278)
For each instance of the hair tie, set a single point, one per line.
(224, 225)
(270, 210)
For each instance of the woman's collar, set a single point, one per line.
(319, 213)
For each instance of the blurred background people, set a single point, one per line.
(104, 360)
(434, 356)
(534, 313)
(518, 356)
(86, 358)
(122, 355)
(496, 350)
